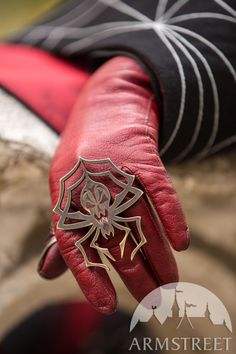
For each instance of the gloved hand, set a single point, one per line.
(116, 118)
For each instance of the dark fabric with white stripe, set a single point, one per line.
(188, 46)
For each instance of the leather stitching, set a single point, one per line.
(146, 122)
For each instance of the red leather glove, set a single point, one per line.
(116, 117)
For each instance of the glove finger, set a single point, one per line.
(156, 248)
(51, 264)
(136, 274)
(93, 281)
(163, 201)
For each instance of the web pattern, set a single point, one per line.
(194, 39)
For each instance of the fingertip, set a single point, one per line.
(94, 281)
(102, 295)
(182, 242)
(108, 308)
(51, 264)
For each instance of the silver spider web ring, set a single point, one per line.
(97, 209)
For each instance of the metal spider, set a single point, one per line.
(103, 214)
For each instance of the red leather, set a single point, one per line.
(47, 85)
(51, 264)
(116, 117)
(50, 87)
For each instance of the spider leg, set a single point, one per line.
(137, 220)
(123, 242)
(79, 245)
(120, 197)
(78, 225)
(84, 220)
(118, 208)
(105, 251)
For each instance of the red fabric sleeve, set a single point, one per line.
(47, 85)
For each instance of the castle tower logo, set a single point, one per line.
(180, 308)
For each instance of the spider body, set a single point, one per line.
(95, 199)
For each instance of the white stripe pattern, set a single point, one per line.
(126, 9)
(183, 91)
(226, 7)
(161, 7)
(71, 14)
(171, 35)
(198, 15)
(202, 39)
(214, 92)
(89, 40)
(223, 144)
(175, 8)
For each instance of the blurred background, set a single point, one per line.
(15, 14)
(31, 307)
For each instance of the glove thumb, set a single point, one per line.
(51, 263)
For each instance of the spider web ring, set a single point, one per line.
(121, 205)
